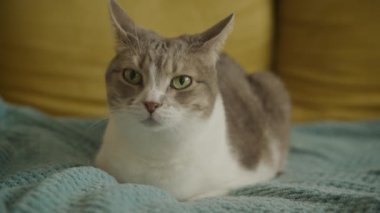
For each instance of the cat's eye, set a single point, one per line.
(181, 82)
(132, 76)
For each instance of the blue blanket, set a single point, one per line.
(46, 166)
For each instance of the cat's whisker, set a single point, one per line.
(132, 112)
(116, 108)
(97, 123)
(138, 39)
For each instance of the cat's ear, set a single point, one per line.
(127, 33)
(212, 40)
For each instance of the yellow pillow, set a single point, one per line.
(53, 54)
(329, 55)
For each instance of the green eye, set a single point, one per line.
(132, 76)
(181, 82)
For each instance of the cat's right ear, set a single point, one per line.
(212, 40)
(126, 32)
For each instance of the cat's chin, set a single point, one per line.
(150, 122)
(153, 125)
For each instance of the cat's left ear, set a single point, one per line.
(126, 31)
(212, 40)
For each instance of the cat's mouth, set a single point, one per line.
(150, 122)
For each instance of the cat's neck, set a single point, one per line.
(194, 138)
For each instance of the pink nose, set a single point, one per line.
(151, 106)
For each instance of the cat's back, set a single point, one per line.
(257, 111)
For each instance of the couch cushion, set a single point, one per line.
(53, 54)
(329, 55)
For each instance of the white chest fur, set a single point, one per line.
(190, 162)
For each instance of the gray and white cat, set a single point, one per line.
(187, 119)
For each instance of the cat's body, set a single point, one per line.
(223, 131)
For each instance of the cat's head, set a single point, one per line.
(161, 82)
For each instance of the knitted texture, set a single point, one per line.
(45, 166)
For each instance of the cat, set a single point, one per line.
(185, 117)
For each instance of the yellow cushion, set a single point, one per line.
(329, 55)
(53, 54)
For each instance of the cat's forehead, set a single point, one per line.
(166, 55)
(166, 45)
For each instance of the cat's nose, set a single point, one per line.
(151, 106)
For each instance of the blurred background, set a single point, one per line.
(53, 54)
